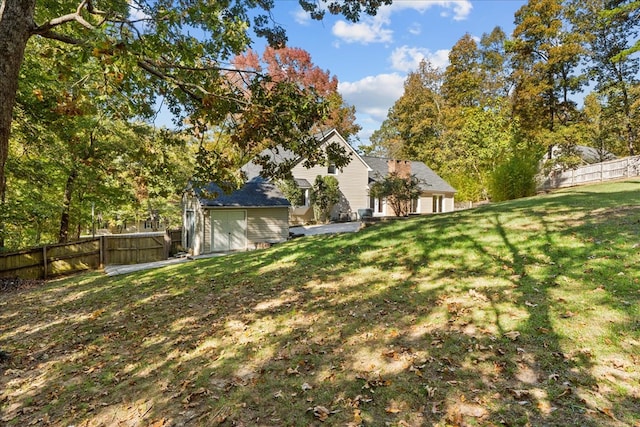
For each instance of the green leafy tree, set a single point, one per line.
(385, 142)
(399, 191)
(325, 194)
(480, 140)
(514, 177)
(463, 79)
(627, 10)
(610, 35)
(291, 191)
(494, 66)
(417, 118)
(149, 49)
(545, 59)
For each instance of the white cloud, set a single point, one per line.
(407, 58)
(136, 13)
(376, 29)
(365, 32)
(460, 8)
(415, 29)
(373, 95)
(301, 17)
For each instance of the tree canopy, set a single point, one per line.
(504, 102)
(178, 52)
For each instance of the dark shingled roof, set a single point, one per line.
(255, 193)
(429, 180)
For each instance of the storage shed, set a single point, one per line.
(255, 215)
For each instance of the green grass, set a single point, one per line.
(518, 313)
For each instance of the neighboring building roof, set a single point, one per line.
(280, 154)
(257, 192)
(302, 183)
(430, 181)
(589, 155)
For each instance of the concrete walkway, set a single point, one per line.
(114, 270)
(338, 227)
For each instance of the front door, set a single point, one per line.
(228, 231)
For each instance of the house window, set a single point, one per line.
(376, 204)
(303, 200)
(437, 203)
(331, 169)
(415, 206)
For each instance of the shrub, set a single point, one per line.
(514, 178)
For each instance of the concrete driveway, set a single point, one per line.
(340, 227)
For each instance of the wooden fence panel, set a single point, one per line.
(121, 249)
(175, 237)
(87, 254)
(605, 171)
(72, 257)
(27, 264)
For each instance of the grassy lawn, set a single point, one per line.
(519, 313)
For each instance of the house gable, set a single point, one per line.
(352, 178)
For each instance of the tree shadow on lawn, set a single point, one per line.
(417, 323)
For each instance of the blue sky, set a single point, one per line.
(372, 58)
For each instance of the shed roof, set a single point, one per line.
(429, 180)
(255, 193)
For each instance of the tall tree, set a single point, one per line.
(417, 116)
(295, 64)
(494, 65)
(609, 36)
(151, 48)
(545, 57)
(462, 81)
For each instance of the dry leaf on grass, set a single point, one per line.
(513, 335)
(321, 412)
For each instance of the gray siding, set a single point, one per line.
(263, 225)
(267, 225)
(353, 179)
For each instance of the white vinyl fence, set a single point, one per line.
(598, 172)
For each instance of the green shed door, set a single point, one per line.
(228, 230)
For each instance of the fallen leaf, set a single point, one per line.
(321, 412)
(530, 304)
(306, 386)
(513, 335)
(430, 390)
(474, 411)
(607, 411)
(518, 394)
(391, 354)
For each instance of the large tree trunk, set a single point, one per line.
(65, 218)
(16, 24)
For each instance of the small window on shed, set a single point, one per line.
(331, 169)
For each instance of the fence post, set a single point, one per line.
(44, 262)
(101, 251)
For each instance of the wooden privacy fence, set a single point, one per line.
(86, 254)
(598, 172)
